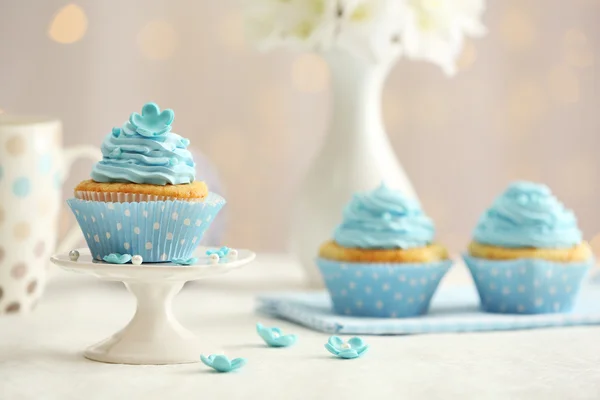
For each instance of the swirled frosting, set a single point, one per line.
(384, 219)
(528, 215)
(144, 150)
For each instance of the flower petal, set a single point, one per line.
(335, 341)
(221, 363)
(356, 343)
(207, 360)
(362, 350)
(277, 330)
(238, 363)
(332, 349)
(348, 354)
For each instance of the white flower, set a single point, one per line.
(369, 28)
(434, 30)
(307, 23)
(431, 30)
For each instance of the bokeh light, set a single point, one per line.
(526, 102)
(310, 73)
(158, 40)
(577, 50)
(231, 31)
(467, 57)
(68, 25)
(517, 29)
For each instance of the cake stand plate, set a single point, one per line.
(153, 336)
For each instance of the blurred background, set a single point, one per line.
(524, 104)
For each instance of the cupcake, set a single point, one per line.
(143, 197)
(382, 261)
(527, 255)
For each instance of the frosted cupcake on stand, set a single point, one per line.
(527, 254)
(143, 198)
(382, 261)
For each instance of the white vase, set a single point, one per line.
(356, 156)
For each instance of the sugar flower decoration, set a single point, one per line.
(152, 122)
(353, 348)
(435, 30)
(274, 337)
(221, 363)
(431, 30)
(183, 261)
(116, 258)
(222, 252)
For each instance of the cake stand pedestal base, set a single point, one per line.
(153, 336)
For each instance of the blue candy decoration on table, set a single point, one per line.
(353, 348)
(274, 337)
(183, 261)
(116, 258)
(221, 363)
(222, 252)
(152, 122)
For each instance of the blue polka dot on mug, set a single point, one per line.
(21, 187)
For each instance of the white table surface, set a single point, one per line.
(40, 354)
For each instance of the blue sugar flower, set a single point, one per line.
(152, 122)
(222, 363)
(353, 348)
(183, 261)
(116, 258)
(274, 337)
(222, 252)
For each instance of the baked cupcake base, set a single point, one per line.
(332, 251)
(578, 253)
(382, 290)
(135, 192)
(527, 285)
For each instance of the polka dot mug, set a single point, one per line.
(33, 166)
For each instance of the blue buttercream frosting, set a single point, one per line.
(144, 150)
(384, 219)
(528, 215)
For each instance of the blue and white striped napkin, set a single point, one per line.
(453, 309)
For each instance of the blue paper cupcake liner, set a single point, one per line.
(159, 231)
(527, 286)
(382, 290)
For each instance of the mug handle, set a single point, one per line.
(69, 155)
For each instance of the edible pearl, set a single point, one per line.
(275, 334)
(214, 258)
(345, 346)
(137, 260)
(73, 255)
(232, 254)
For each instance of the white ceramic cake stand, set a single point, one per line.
(153, 336)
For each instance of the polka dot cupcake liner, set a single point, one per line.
(527, 286)
(159, 231)
(382, 290)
